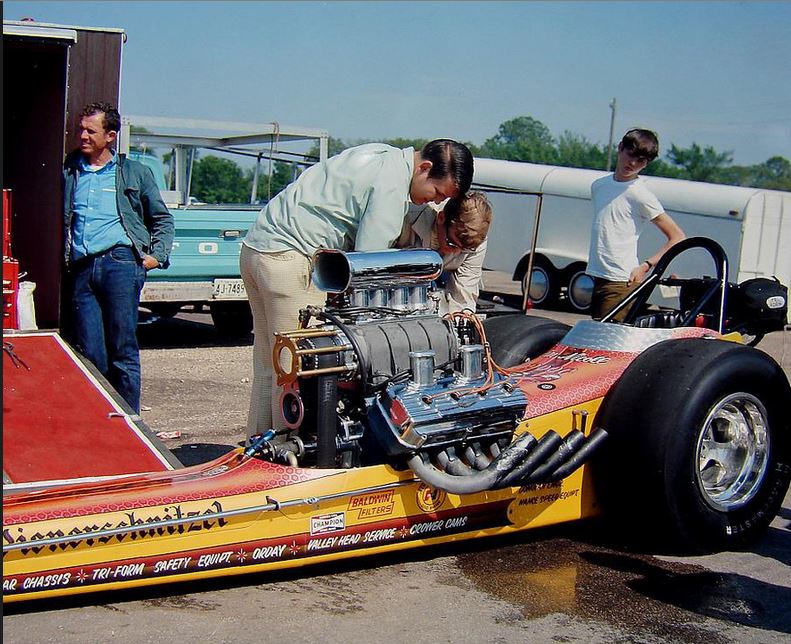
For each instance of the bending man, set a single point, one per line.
(353, 201)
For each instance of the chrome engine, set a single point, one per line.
(377, 374)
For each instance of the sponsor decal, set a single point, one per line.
(129, 520)
(545, 493)
(120, 571)
(578, 356)
(327, 523)
(172, 565)
(216, 470)
(430, 528)
(215, 559)
(289, 547)
(373, 506)
(559, 363)
(546, 386)
(430, 499)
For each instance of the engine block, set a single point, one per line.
(453, 411)
(405, 379)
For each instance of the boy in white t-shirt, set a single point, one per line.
(622, 205)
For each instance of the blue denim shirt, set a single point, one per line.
(144, 216)
(96, 225)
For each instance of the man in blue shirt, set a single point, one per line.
(116, 227)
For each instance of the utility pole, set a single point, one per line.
(612, 125)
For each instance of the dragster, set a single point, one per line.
(404, 428)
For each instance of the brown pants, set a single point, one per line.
(606, 295)
(278, 286)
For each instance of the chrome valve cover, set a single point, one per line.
(453, 411)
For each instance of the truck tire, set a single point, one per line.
(579, 287)
(164, 310)
(699, 453)
(232, 319)
(545, 284)
(517, 338)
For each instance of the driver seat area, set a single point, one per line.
(660, 320)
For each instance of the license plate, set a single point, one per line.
(229, 289)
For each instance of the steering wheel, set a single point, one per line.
(714, 287)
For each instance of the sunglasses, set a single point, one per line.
(637, 155)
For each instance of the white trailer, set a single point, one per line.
(751, 224)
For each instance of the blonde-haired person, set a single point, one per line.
(457, 231)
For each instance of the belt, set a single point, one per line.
(86, 258)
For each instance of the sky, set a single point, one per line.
(713, 73)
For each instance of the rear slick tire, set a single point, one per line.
(700, 445)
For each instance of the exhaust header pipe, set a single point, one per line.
(336, 271)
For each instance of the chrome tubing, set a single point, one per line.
(337, 271)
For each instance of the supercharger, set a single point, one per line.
(378, 373)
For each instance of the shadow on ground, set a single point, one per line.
(187, 329)
(196, 453)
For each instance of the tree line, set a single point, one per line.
(524, 138)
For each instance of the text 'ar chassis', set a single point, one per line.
(404, 428)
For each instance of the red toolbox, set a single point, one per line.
(10, 292)
(6, 223)
(10, 269)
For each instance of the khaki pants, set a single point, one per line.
(278, 286)
(606, 295)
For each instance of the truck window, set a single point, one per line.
(152, 162)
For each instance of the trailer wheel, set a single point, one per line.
(699, 451)
(232, 319)
(579, 286)
(517, 338)
(545, 284)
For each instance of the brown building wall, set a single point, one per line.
(46, 82)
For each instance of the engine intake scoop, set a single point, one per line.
(336, 271)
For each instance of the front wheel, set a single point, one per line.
(700, 450)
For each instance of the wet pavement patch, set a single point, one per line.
(633, 592)
(181, 602)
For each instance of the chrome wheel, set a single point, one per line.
(580, 291)
(733, 452)
(539, 285)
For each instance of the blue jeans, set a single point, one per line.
(105, 299)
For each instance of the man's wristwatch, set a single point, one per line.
(650, 265)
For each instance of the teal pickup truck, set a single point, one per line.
(204, 262)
